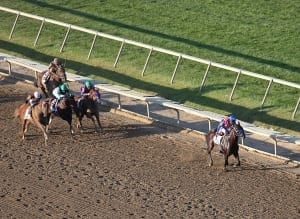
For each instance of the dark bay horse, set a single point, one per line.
(65, 109)
(40, 117)
(229, 144)
(88, 106)
(55, 80)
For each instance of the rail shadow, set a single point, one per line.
(191, 95)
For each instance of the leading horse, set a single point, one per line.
(40, 116)
(88, 106)
(229, 144)
(55, 80)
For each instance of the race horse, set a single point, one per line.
(40, 116)
(88, 106)
(229, 144)
(54, 80)
(65, 108)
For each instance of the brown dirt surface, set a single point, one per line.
(132, 169)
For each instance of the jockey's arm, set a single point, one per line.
(56, 93)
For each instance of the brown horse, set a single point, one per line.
(55, 80)
(229, 144)
(40, 117)
(65, 109)
(88, 106)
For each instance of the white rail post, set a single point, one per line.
(204, 77)
(119, 53)
(39, 33)
(209, 124)
(176, 67)
(14, 26)
(266, 94)
(9, 68)
(66, 37)
(296, 108)
(147, 61)
(148, 108)
(234, 86)
(92, 46)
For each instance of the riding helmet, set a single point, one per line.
(37, 95)
(63, 87)
(232, 118)
(226, 121)
(88, 84)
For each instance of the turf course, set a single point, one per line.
(260, 36)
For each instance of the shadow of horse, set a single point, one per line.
(65, 109)
(40, 117)
(54, 81)
(88, 106)
(229, 144)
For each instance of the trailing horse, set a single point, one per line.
(65, 108)
(54, 80)
(40, 116)
(229, 144)
(88, 106)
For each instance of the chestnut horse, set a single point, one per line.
(40, 117)
(229, 144)
(55, 80)
(65, 109)
(88, 106)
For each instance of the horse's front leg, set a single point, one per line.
(209, 149)
(98, 121)
(237, 158)
(225, 161)
(79, 123)
(44, 92)
(24, 128)
(49, 122)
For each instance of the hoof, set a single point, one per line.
(236, 165)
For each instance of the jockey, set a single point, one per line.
(32, 99)
(86, 88)
(56, 63)
(224, 126)
(223, 129)
(59, 93)
(47, 75)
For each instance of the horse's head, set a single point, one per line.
(238, 130)
(93, 95)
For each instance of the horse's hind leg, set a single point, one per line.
(237, 158)
(71, 127)
(210, 146)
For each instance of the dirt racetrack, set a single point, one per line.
(130, 170)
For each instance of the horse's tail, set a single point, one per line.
(17, 113)
(35, 83)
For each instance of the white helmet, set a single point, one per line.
(37, 95)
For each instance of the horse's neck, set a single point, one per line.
(232, 136)
(60, 72)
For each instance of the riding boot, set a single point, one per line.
(54, 105)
